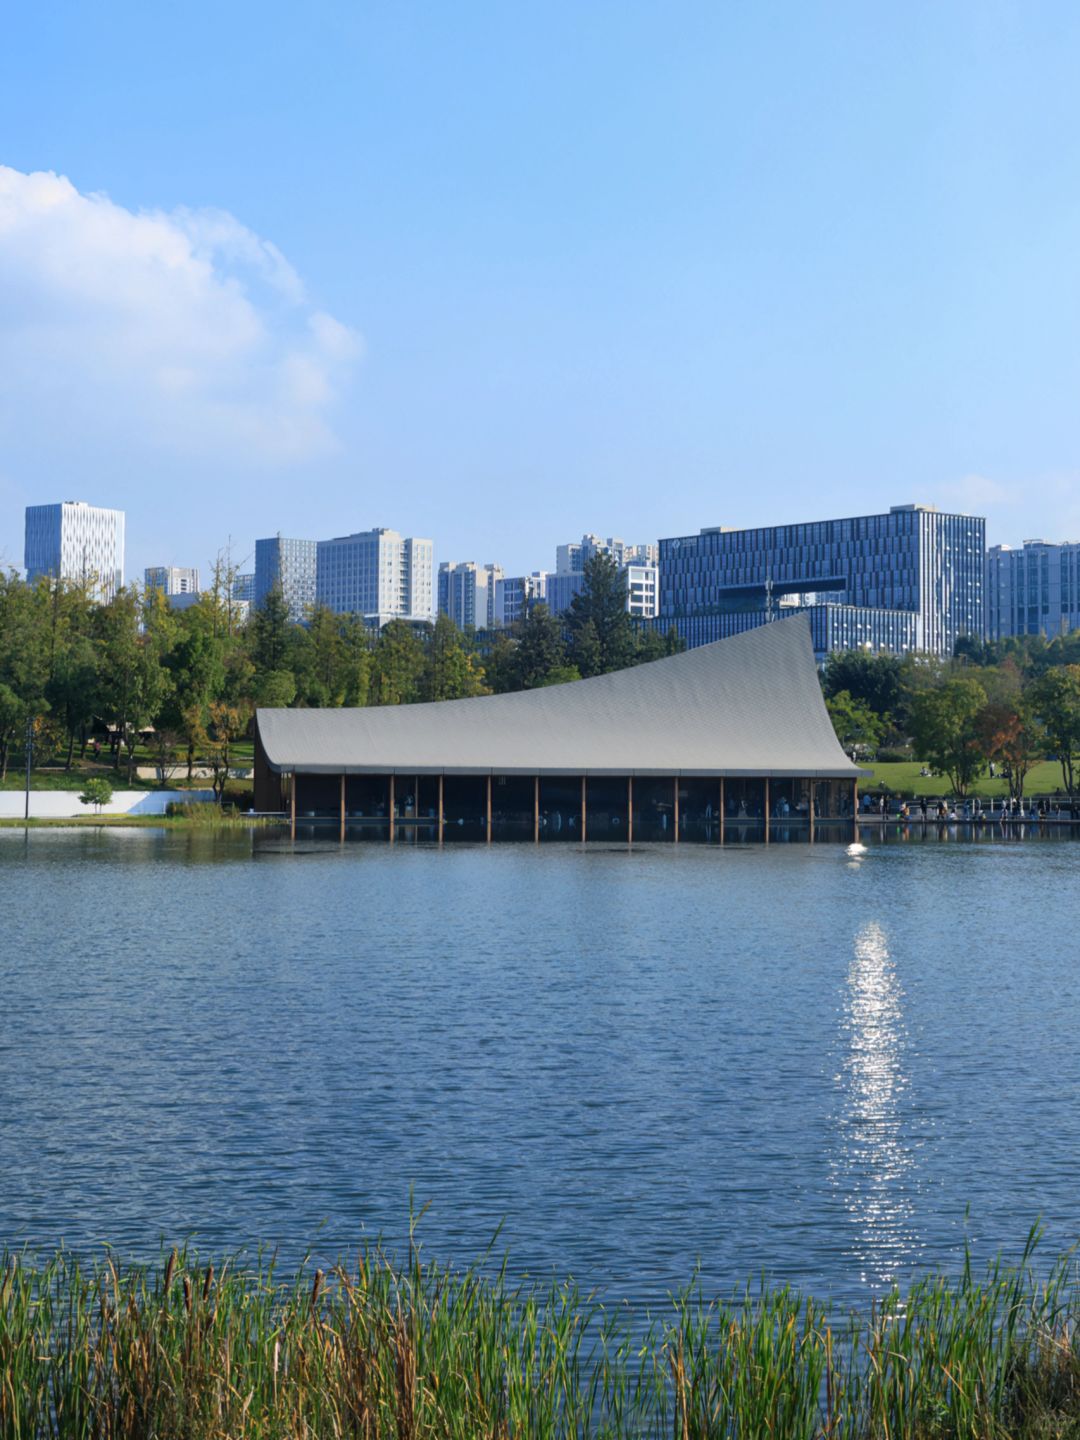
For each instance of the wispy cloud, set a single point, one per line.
(182, 331)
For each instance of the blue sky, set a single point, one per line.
(500, 274)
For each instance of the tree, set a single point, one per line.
(134, 682)
(73, 689)
(1055, 698)
(449, 671)
(541, 649)
(1012, 737)
(270, 628)
(227, 724)
(857, 727)
(877, 681)
(945, 728)
(601, 604)
(275, 690)
(397, 665)
(97, 792)
(585, 650)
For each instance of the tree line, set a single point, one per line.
(1007, 705)
(187, 682)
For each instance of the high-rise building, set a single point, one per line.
(570, 559)
(911, 579)
(243, 588)
(377, 573)
(1034, 590)
(172, 579)
(515, 593)
(638, 562)
(76, 541)
(467, 593)
(288, 565)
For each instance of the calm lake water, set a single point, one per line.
(791, 1059)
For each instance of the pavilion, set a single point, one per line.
(730, 735)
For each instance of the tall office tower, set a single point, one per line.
(377, 573)
(570, 559)
(288, 565)
(172, 579)
(76, 541)
(467, 593)
(912, 579)
(1034, 590)
(515, 593)
(243, 588)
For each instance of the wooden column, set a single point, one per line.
(583, 809)
(343, 805)
(855, 798)
(292, 805)
(630, 809)
(721, 809)
(766, 809)
(676, 809)
(810, 809)
(536, 807)
(489, 810)
(393, 826)
(442, 812)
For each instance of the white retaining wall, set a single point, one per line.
(64, 804)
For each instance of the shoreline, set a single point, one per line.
(191, 1347)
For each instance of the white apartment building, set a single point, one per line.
(570, 559)
(467, 593)
(1034, 590)
(76, 541)
(376, 573)
(172, 579)
(638, 562)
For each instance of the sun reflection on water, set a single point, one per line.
(874, 1160)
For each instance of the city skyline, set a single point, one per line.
(503, 274)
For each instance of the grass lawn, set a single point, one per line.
(904, 779)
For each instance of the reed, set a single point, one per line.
(421, 1352)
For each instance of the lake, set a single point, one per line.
(832, 1067)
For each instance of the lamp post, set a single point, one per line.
(29, 761)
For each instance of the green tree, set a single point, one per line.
(134, 681)
(541, 649)
(270, 633)
(97, 792)
(449, 670)
(24, 658)
(1055, 698)
(397, 665)
(73, 689)
(945, 728)
(650, 645)
(877, 681)
(857, 727)
(601, 604)
(275, 690)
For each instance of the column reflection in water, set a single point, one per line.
(874, 1162)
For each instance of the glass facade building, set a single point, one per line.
(289, 564)
(76, 541)
(1032, 591)
(910, 579)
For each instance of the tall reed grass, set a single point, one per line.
(371, 1350)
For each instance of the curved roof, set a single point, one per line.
(747, 705)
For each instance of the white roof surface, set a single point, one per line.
(748, 705)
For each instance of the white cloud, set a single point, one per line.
(180, 332)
